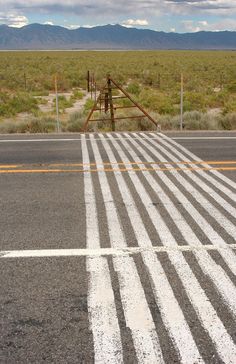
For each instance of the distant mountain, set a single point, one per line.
(37, 36)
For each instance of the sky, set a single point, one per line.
(162, 15)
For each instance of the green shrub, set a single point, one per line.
(63, 103)
(156, 101)
(88, 105)
(145, 124)
(78, 95)
(43, 125)
(134, 88)
(12, 105)
(75, 123)
(228, 122)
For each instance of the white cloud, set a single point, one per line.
(111, 7)
(13, 19)
(197, 26)
(192, 27)
(211, 7)
(137, 12)
(48, 23)
(72, 26)
(134, 22)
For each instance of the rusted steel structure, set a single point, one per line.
(105, 102)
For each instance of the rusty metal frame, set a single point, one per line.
(108, 87)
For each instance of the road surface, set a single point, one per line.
(118, 248)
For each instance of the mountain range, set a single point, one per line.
(38, 36)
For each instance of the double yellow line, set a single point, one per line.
(91, 167)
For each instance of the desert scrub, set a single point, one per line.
(63, 103)
(134, 88)
(192, 120)
(12, 105)
(156, 101)
(228, 122)
(88, 105)
(36, 125)
(75, 123)
(77, 95)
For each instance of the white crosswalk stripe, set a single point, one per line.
(221, 201)
(213, 236)
(160, 252)
(136, 309)
(195, 158)
(206, 262)
(101, 303)
(122, 147)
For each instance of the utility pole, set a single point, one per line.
(113, 126)
(57, 105)
(181, 102)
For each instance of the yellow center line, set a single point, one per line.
(11, 166)
(137, 163)
(21, 171)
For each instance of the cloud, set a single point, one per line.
(192, 27)
(73, 26)
(159, 13)
(85, 7)
(48, 23)
(212, 7)
(133, 22)
(203, 25)
(114, 9)
(13, 19)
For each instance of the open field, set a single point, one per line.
(151, 77)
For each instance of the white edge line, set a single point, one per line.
(104, 251)
(202, 138)
(79, 139)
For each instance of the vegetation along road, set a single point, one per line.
(118, 247)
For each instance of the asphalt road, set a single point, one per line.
(118, 248)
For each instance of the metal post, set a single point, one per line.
(113, 126)
(57, 105)
(181, 102)
(88, 80)
(159, 80)
(91, 87)
(25, 81)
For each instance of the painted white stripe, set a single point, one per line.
(194, 157)
(47, 253)
(221, 201)
(51, 140)
(203, 138)
(221, 219)
(39, 140)
(194, 177)
(78, 139)
(136, 310)
(166, 301)
(200, 301)
(101, 301)
(217, 274)
(102, 313)
(137, 315)
(187, 232)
